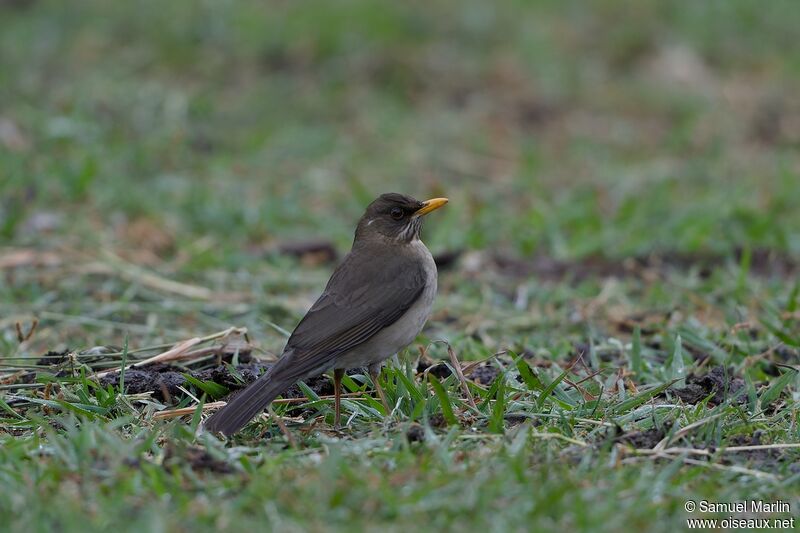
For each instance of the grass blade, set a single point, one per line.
(774, 390)
(642, 397)
(444, 400)
(496, 421)
(636, 352)
(551, 387)
(528, 376)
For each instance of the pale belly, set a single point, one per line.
(394, 338)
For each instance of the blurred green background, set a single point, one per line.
(156, 157)
(214, 129)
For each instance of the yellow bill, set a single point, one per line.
(431, 205)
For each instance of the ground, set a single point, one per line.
(618, 262)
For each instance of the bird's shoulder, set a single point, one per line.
(363, 278)
(368, 290)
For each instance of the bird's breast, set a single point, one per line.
(404, 330)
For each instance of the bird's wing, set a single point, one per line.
(362, 297)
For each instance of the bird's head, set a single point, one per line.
(395, 217)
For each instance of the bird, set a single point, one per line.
(375, 304)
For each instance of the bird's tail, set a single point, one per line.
(248, 403)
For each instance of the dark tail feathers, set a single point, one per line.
(248, 403)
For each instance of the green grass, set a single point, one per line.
(146, 143)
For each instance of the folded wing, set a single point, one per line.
(361, 298)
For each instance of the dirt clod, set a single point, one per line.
(437, 420)
(163, 380)
(719, 381)
(321, 385)
(415, 433)
(221, 374)
(198, 458)
(440, 370)
(484, 374)
(642, 439)
(54, 357)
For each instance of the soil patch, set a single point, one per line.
(54, 357)
(642, 439)
(310, 252)
(415, 433)
(771, 455)
(719, 381)
(763, 262)
(437, 368)
(163, 380)
(447, 259)
(484, 374)
(770, 459)
(197, 458)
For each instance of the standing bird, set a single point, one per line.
(374, 305)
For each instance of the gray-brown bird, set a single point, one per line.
(375, 304)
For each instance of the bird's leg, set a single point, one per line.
(374, 373)
(337, 391)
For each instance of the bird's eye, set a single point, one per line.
(396, 213)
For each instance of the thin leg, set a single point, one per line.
(374, 373)
(337, 391)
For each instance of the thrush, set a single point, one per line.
(374, 305)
